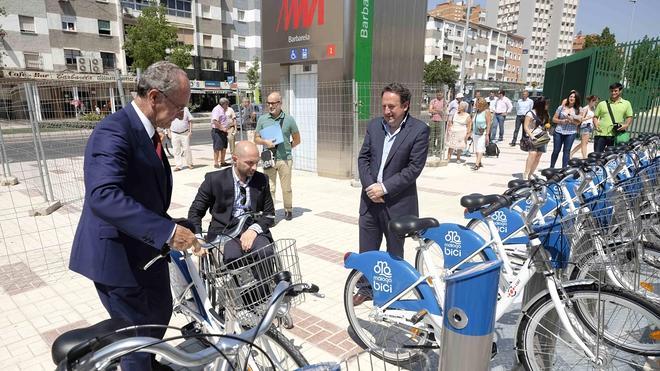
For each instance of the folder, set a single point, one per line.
(273, 132)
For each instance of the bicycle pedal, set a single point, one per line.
(418, 316)
(493, 351)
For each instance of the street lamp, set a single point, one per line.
(632, 19)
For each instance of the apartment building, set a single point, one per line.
(241, 30)
(491, 54)
(547, 26)
(456, 11)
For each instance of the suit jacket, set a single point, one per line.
(217, 194)
(403, 165)
(124, 221)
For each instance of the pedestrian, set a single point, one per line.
(535, 120)
(622, 112)
(282, 151)
(219, 135)
(477, 95)
(181, 130)
(124, 222)
(392, 156)
(165, 140)
(231, 123)
(453, 107)
(523, 105)
(458, 131)
(437, 109)
(502, 107)
(491, 102)
(481, 130)
(586, 127)
(567, 118)
(97, 109)
(248, 119)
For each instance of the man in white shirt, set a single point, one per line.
(523, 106)
(181, 130)
(453, 106)
(503, 106)
(491, 102)
(231, 123)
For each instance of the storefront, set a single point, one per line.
(206, 94)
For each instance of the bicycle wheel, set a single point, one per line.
(628, 271)
(279, 350)
(389, 335)
(542, 343)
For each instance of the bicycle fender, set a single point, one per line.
(545, 292)
(389, 275)
(457, 242)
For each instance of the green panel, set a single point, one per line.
(364, 13)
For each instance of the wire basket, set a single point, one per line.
(245, 285)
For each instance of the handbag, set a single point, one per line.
(540, 137)
(268, 154)
(620, 136)
(525, 144)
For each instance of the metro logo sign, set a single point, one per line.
(300, 12)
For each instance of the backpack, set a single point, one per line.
(492, 150)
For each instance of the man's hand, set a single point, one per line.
(247, 238)
(270, 143)
(184, 239)
(376, 192)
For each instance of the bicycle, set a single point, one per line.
(407, 310)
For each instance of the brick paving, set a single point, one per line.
(40, 300)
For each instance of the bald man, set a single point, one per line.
(229, 194)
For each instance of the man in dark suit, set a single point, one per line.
(392, 157)
(231, 193)
(124, 221)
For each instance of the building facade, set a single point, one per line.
(456, 11)
(491, 54)
(547, 26)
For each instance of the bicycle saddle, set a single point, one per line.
(549, 173)
(407, 225)
(576, 162)
(476, 201)
(80, 341)
(518, 183)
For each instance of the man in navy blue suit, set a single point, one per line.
(391, 158)
(124, 221)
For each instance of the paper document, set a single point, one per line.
(273, 132)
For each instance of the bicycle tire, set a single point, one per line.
(281, 351)
(636, 277)
(391, 344)
(535, 339)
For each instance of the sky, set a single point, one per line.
(594, 15)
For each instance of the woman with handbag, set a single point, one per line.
(567, 118)
(458, 131)
(535, 129)
(586, 127)
(480, 127)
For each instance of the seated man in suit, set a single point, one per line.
(229, 194)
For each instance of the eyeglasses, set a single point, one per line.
(273, 103)
(178, 108)
(243, 195)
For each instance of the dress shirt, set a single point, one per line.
(503, 105)
(239, 209)
(181, 126)
(524, 106)
(387, 146)
(218, 114)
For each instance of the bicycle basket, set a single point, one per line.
(245, 285)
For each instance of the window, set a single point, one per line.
(26, 23)
(225, 66)
(32, 61)
(69, 23)
(206, 11)
(177, 8)
(70, 56)
(225, 43)
(206, 41)
(108, 60)
(241, 15)
(241, 42)
(242, 67)
(209, 64)
(104, 27)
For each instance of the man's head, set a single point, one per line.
(501, 93)
(246, 102)
(245, 158)
(459, 97)
(525, 94)
(224, 102)
(162, 93)
(477, 95)
(395, 99)
(615, 91)
(274, 103)
(492, 94)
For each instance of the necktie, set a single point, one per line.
(158, 146)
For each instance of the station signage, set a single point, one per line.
(70, 76)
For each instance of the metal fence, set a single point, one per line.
(44, 126)
(635, 64)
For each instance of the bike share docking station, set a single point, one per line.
(469, 318)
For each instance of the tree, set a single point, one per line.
(438, 72)
(152, 37)
(641, 72)
(606, 38)
(253, 74)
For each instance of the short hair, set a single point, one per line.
(501, 91)
(464, 105)
(616, 85)
(398, 89)
(162, 76)
(224, 100)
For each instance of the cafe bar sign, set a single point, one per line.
(70, 76)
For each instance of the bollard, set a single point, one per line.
(469, 317)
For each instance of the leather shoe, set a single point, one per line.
(358, 299)
(288, 215)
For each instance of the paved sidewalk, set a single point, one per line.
(34, 308)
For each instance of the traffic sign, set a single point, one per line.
(293, 54)
(304, 53)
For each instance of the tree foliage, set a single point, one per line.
(606, 38)
(253, 74)
(641, 73)
(152, 37)
(438, 72)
